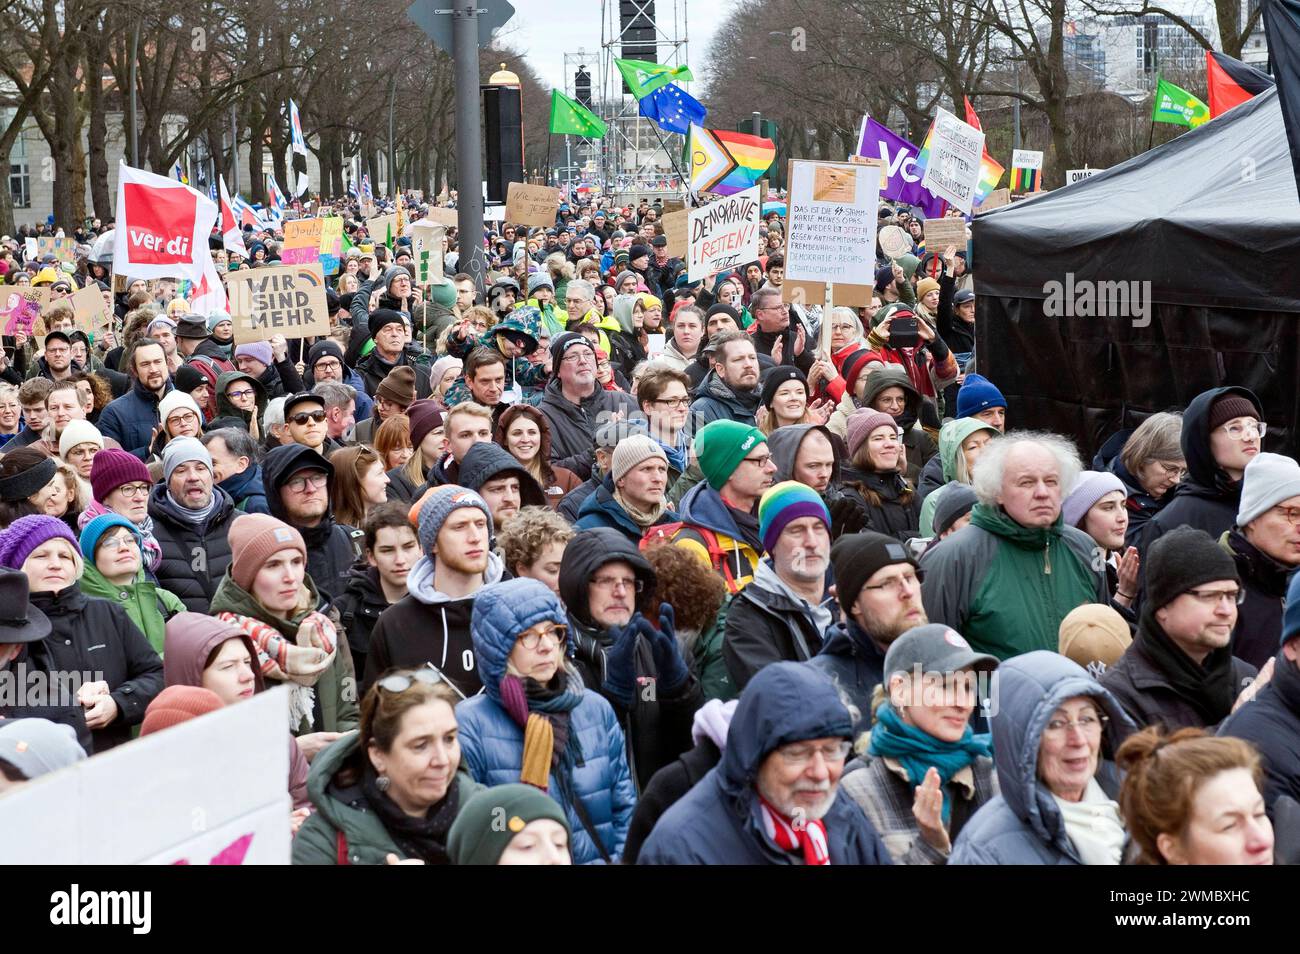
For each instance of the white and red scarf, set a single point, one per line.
(809, 837)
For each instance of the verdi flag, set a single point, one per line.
(570, 116)
(643, 78)
(1282, 25)
(1175, 105)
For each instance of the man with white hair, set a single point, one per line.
(1007, 579)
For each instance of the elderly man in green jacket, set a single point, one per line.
(1007, 579)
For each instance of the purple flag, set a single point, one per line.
(899, 157)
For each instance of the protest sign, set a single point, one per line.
(444, 217)
(331, 244)
(379, 227)
(677, 232)
(940, 233)
(20, 309)
(302, 239)
(895, 242)
(531, 204)
(996, 200)
(214, 787)
(898, 158)
(284, 300)
(494, 213)
(723, 234)
(952, 171)
(1026, 170)
(1078, 175)
(63, 249)
(89, 311)
(832, 227)
(32, 251)
(426, 249)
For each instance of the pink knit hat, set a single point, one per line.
(253, 538)
(861, 423)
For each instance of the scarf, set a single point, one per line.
(1207, 687)
(1093, 826)
(917, 751)
(543, 713)
(642, 518)
(300, 663)
(196, 517)
(747, 524)
(424, 838)
(150, 547)
(810, 837)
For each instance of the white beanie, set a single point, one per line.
(175, 400)
(79, 432)
(1270, 479)
(1091, 486)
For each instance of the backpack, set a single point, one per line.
(667, 532)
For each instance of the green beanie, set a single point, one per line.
(908, 263)
(487, 822)
(444, 294)
(721, 445)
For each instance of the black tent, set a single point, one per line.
(1212, 221)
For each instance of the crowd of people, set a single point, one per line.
(669, 572)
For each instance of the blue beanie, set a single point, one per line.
(977, 394)
(438, 505)
(95, 529)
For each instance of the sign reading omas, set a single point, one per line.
(284, 300)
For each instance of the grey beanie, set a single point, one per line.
(180, 450)
(36, 747)
(438, 507)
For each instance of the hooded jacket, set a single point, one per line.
(247, 490)
(600, 509)
(485, 461)
(343, 823)
(1005, 587)
(226, 407)
(920, 445)
(360, 606)
(188, 650)
(573, 426)
(855, 664)
(949, 449)
(332, 547)
(703, 507)
(897, 514)
(130, 419)
(1259, 618)
(715, 400)
(520, 372)
(1023, 824)
(147, 604)
(194, 556)
(1207, 498)
(1271, 722)
(766, 624)
(492, 743)
(98, 640)
(429, 627)
(1141, 505)
(720, 822)
(784, 444)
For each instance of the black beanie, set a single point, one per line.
(724, 308)
(1231, 406)
(381, 317)
(187, 378)
(345, 300)
(855, 557)
(1183, 559)
(778, 376)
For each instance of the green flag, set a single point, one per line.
(1173, 104)
(643, 78)
(570, 116)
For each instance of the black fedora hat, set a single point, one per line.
(191, 327)
(20, 622)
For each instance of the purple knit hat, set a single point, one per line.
(861, 423)
(20, 538)
(112, 468)
(258, 350)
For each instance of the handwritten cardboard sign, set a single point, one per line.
(953, 170)
(996, 200)
(531, 204)
(284, 300)
(20, 310)
(448, 218)
(89, 311)
(331, 244)
(832, 239)
(302, 239)
(724, 234)
(63, 249)
(677, 233)
(378, 228)
(940, 233)
(426, 249)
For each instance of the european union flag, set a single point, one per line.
(673, 109)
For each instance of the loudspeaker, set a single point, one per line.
(582, 87)
(636, 30)
(503, 138)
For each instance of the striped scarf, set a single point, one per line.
(810, 837)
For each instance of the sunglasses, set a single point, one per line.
(429, 676)
(302, 417)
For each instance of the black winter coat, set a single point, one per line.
(194, 557)
(410, 633)
(669, 784)
(892, 516)
(1271, 722)
(359, 607)
(856, 666)
(1259, 619)
(763, 627)
(573, 427)
(97, 639)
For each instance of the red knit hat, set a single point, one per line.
(854, 365)
(253, 538)
(112, 468)
(177, 704)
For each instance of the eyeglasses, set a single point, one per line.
(1171, 470)
(314, 481)
(1214, 597)
(134, 490)
(123, 541)
(802, 754)
(674, 402)
(1090, 724)
(302, 417)
(189, 417)
(429, 676)
(556, 632)
(240, 394)
(611, 583)
(581, 355)
(1241, 431)
(1290, 514)
(904, 582)
(760, 461)
(329, 364)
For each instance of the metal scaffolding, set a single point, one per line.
(582, 157)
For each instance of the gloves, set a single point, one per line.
(669, 664)
(846, 517)
(620, 661)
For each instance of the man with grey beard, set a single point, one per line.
(786, 612)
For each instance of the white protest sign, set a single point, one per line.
(724, 234)
(832, 222)
(953, 169)
(494, 213)
(1078, 175)
(426, 249)
(213, 790)
(1026, 159)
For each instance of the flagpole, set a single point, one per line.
(549, 137)
(1152, 135)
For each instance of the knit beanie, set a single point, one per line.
(539, 280)
(860, 425)
(856, 557)
(398, 386)
(28, 471)
(977, 394)
(1183, 559)
(186, 379)
(925, 286)
(955, 502)
(26, 534)
(853, 366)
(443, 293)
(254, 538)
(784, 502)
(180, 450)
(160, 320)
(112, 468)
(1228, 407)
(175, 400)
(1094, 636)
(324, 349)
(884, 275)
(80, 432)
(436, 506)
(257, 350)
(1269, 480)
(425, 417)
(722, 308)
(488, 822)
(623, 276)
(440, 368)
(36, 747)
(631, 451)
(778, 376)
(562, 343)
(1091, 486)
(382, 317)
(177, 704)
(93, 531)
(721, 445)
(216, 318)
(638, 251)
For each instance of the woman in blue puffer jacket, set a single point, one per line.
(536, 723)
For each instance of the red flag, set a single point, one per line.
(1232, 82)
(971, 118)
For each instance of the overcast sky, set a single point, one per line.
(545, 30)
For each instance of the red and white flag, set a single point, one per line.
(231, 236)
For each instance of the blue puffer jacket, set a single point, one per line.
(719, 821)
(492, 743)
(1023, 825)
(602, 510)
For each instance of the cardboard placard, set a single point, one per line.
(89, 311)
(832, 240)
(284, 300)
(302, 238)
(532, 204)
(20, 309)
(426, 250)
(996, 200)
(941, 233)
(724, 234)
(119, 283)
(63, 249)
(377, 228)
(331, 244)
(677, 232)
(448, 218)
(670, 206)
(953, 169)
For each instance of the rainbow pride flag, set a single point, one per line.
(724, 162)
(990, 169)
